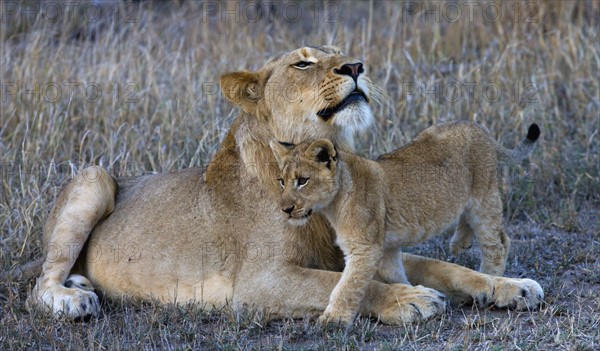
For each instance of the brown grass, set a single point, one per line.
(166, 59)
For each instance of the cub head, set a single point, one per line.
(308, 93)
(308, 177)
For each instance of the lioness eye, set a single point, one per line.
(303, 64)
(302, 181)
(281, 182)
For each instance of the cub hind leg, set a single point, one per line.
(391, 269)
(87, 199)
(485, 219)
(462, 239)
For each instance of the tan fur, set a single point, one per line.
(447, 173)
(215, 235)
(70, 222)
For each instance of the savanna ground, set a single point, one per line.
(134, 88)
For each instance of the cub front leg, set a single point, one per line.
(345, 300)
(462, 239)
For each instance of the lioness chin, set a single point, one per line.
(446, 175)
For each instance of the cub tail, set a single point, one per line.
(516, 156)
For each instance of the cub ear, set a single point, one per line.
(280, 150)
(243, 89)
(323, 151)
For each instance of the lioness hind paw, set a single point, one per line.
(71, 303)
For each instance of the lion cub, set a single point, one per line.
(447, 174)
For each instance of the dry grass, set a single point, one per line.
(158, 111)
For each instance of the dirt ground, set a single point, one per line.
(566, 264)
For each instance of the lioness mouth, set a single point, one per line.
(308, 213)
(353, 97)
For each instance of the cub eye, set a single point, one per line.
(281, 182)
(303, 64)
(302, 181)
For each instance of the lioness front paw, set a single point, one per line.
(410, 304)
(77, 302)
(520, 294)
(510, 293)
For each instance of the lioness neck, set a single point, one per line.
(246, 149)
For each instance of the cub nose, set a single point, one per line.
(288, 210)
(350, 69)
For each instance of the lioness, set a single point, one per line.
(214, 236)
(376, 207)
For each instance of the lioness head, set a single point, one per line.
(308, 177)
(308, 93)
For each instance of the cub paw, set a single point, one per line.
(78, 302)
(411, 304)
(330, 318)
(460, 244)
(329, 321)
(519, 294)
(78, 281)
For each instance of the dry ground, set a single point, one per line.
(134, 90)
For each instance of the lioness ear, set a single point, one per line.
(323, 151)
(243, 89)
(280, 150)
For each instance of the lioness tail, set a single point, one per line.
(23, 272)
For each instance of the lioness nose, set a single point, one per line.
(350, 69)
(288, 210)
